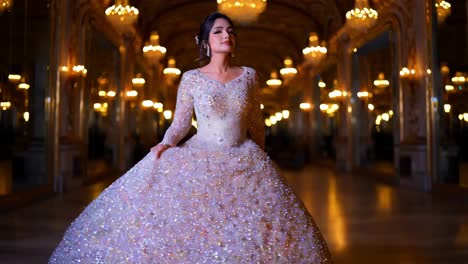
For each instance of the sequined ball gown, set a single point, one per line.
(217, 198)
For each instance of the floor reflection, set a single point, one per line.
(362, 220)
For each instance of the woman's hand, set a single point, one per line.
(159, 149)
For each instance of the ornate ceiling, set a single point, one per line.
(282, 30)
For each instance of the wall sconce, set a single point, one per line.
(330, 109)
(103, 93)
(23, 84)
(447, 108)
(305, 106)
(167, 114)
(458, 79)
(322, 84)
(14, 78)
(364, 94)
(76, 70)
(159, 106)
(406, 73)
(147, 103)
(138, 81)
(5, 105)
(337, 94)
(449, 87)
(132, 94)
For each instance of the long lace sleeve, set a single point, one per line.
(256, 128)
(183, 114)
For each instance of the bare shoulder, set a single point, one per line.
(189, 73)
(250, 72)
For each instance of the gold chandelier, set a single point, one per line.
(274, 82)
(314, 53)
(122, 15)
(242, 11)
(381, 82)
(289, 71)
(171, 69)
(5, 5)
(362, 16)
(152, 50)
(443, 9)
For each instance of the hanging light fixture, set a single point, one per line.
(171, 71)
(5, 105)
(242, 11)
(314, 53)
(138, 81)
(381, 82)
(132, 94)
(443, 9)
(362, 16)
(152, 50)
(458, 79)
(122, 15)
(322, 84)
(23, 84)
(274, 82)
(407, 73)
(288, 71)
(5, 5)
(14, 78)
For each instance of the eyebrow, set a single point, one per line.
(229, 27)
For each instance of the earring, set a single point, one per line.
(232, 55)
(207, 50)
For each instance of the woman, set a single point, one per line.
(215, 198)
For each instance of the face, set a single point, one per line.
(222, 37)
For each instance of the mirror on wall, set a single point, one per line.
(102, 81)
(374, 68)
(453, 57)
(24, 78)
(328, 83)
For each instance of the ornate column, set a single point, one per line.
(315, 124)
(344, 140)
(419, 104)
(359, 114)
(58, 56)
(35, 163)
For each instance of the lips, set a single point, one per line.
(226, 43)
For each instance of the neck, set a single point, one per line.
(219, 63)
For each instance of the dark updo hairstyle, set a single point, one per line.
(204, 34)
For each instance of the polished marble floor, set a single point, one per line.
(362, 219)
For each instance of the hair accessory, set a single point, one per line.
(196, 39)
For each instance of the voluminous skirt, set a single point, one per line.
(196, 205)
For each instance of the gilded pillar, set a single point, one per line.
(419, 146)
(344, 140)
